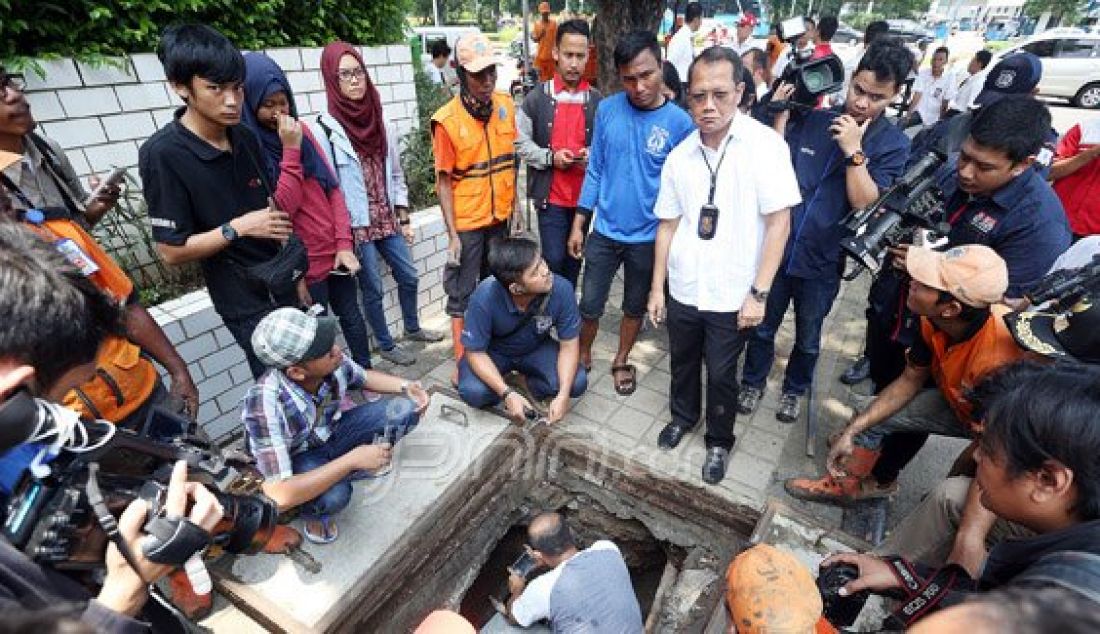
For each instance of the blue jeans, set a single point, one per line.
(812, 301)
(396, 253)
(555, 223)
(339, 293)
(540, 367)
(391, 418)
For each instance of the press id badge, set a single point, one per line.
(77, 257)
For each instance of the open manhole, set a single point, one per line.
(392, 568)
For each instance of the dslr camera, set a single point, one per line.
(912, 204)
(811, 78)
(62, 516)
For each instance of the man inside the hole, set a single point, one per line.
(507, 327)
(581, 590)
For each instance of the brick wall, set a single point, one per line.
(218, 366)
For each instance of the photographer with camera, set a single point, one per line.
(843, 159)
(962, 337)
(1037, 467)
(72, 318)
(579, 586)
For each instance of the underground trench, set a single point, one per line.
(446, 542)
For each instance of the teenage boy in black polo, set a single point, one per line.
(207, 199)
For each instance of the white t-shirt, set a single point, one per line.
(755, 179)
(534, 603)
(934, 91)
(681, 50)
(967, 92)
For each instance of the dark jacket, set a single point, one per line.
(25, 585)
(534, 123)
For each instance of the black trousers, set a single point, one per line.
(696, 337)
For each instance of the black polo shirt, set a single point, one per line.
(192, 187)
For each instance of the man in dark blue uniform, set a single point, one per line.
(843, 159)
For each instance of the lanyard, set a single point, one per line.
(714, 172)
(15, 191)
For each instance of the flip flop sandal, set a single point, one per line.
(331, 530)
(627, 387)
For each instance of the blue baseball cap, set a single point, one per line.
(1016, 74)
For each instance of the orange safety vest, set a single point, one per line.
(484, 176)
(124, 378)
(958, 368)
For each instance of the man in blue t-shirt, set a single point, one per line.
(843, 160)
(634, 132)
(507, 328)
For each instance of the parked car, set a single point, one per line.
(910, 31)
(1071, 66)
(847, 35)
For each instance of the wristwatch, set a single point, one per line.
(758, 295)
(229, 233)
(856, 159)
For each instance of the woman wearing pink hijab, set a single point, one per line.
(354, 135)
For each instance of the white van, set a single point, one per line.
(1071, 65)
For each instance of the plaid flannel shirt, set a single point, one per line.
(282, 419)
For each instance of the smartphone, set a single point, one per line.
(340, 270)
(114, 179)
(524, 565)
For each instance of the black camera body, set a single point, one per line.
(1067, 287)
(915, 202)
(838, 610)
(53, 519)
(811, 78)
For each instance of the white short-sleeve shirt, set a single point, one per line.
(934, 92)
(755, 179)
(533, 604)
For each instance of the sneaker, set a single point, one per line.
(789, 408)
(842, 491)
(398, 356)
(858, 373)
(748, 399)
(425, 335)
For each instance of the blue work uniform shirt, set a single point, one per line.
(813, 249)
(1024, 222)
(492, 314)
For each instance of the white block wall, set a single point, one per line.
(218, 365)
(101, 115)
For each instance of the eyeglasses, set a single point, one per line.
(348, 74)
(13, 81)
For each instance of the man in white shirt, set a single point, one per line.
(681, 48)
(724, 206)
(742, 42)
(970, 87)
(584, 590)
(933, 90)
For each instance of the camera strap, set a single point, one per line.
(714, 171)
(106, 519)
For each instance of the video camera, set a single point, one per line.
(914, 202)
(1066, 287)
(811, 78)
(63, 518)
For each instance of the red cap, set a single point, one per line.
(748, 19)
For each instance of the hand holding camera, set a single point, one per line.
(125, 586)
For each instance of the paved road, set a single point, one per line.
(1066, 116)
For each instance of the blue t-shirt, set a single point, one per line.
(629, 147)
(1024, 222)
(813, 249)
(491, 314)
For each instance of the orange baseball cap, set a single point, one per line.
(474, 53)
(974, 274)
(769, 590)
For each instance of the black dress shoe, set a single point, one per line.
(714, 468)
(858, 373)
(671, 436)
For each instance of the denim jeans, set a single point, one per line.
(812, 301)
(396, 253)
(340, 294)
(540, 367)
(555, 224)
(391, 418)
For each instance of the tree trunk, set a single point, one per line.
(613, 19)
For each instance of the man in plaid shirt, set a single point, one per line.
(308, 444)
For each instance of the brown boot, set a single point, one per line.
(841, 491)
(861, 461)
(457, 324)
(194, 606)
